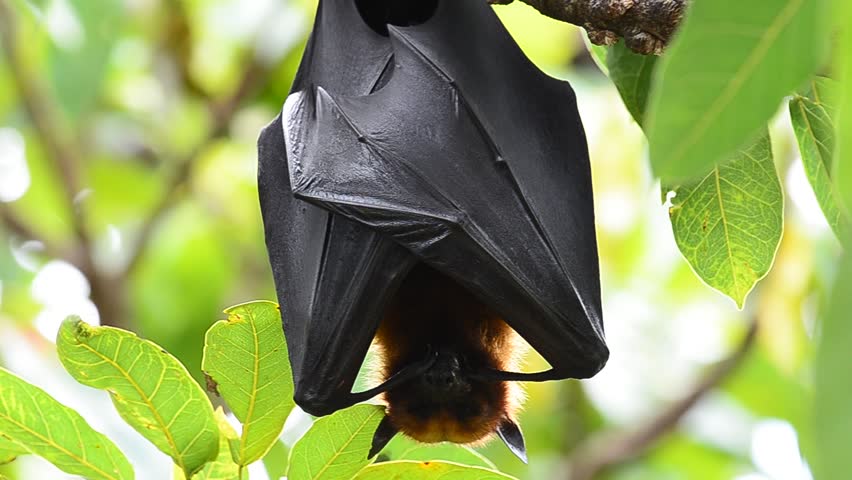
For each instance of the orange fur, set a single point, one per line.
(431, 309)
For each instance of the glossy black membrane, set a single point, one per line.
(470, 161)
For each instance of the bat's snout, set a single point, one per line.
(445, 377)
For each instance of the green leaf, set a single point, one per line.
(843, 166)
(223, 467)
(336, 446)
(176, 292)
(812, 115)
(724, 75)
(150, 389)
(78, 70)
(403, 448)
(427, 470)
(833, 383)
(9, 450)
(631, 73)
(728, 224)
(276, 460)
(598, 53)
(246, 357)
(45, 427)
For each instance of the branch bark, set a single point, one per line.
(63, 150)
(13, 225)
(610, 449)
(646, 25)
(108, 288)
(221, 113)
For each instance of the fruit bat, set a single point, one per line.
(426, 188)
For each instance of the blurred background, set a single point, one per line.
(128, 197)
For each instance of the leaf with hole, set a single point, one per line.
(337, 445)
(728, 223)
(44, 427)
(246, 357)
(725, 74)
(812, 114)
(150, 389)
(404, 470)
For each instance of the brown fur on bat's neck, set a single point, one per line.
(432, 314)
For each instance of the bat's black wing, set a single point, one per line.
(326, 267)
(471, 160)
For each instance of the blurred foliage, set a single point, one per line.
(161, 102)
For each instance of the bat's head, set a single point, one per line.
(439, 330)
(449, 402)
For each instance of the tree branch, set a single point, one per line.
(62, 150)
(609, 449)
(67, 158)
(221, 113)
(646, 25)
(12, 224)
(108, 289)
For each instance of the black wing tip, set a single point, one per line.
(382, 436)
(596, 361)
(510, 433)
(318, 405)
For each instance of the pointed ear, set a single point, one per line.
(511, 435)
(383, 435)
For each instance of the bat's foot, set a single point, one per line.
(644, 43)
(601, 37)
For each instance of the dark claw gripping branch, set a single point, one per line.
(426, 187)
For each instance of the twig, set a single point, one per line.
(646, 25)
(18, 228)
(63, 152)
(221, 113)
(606, 450)
(14, 225)
(66, 157)
(108, 290)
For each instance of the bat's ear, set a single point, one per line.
(383, 435)
(511, 435)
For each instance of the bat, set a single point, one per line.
(427, 188)
(451, 400)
